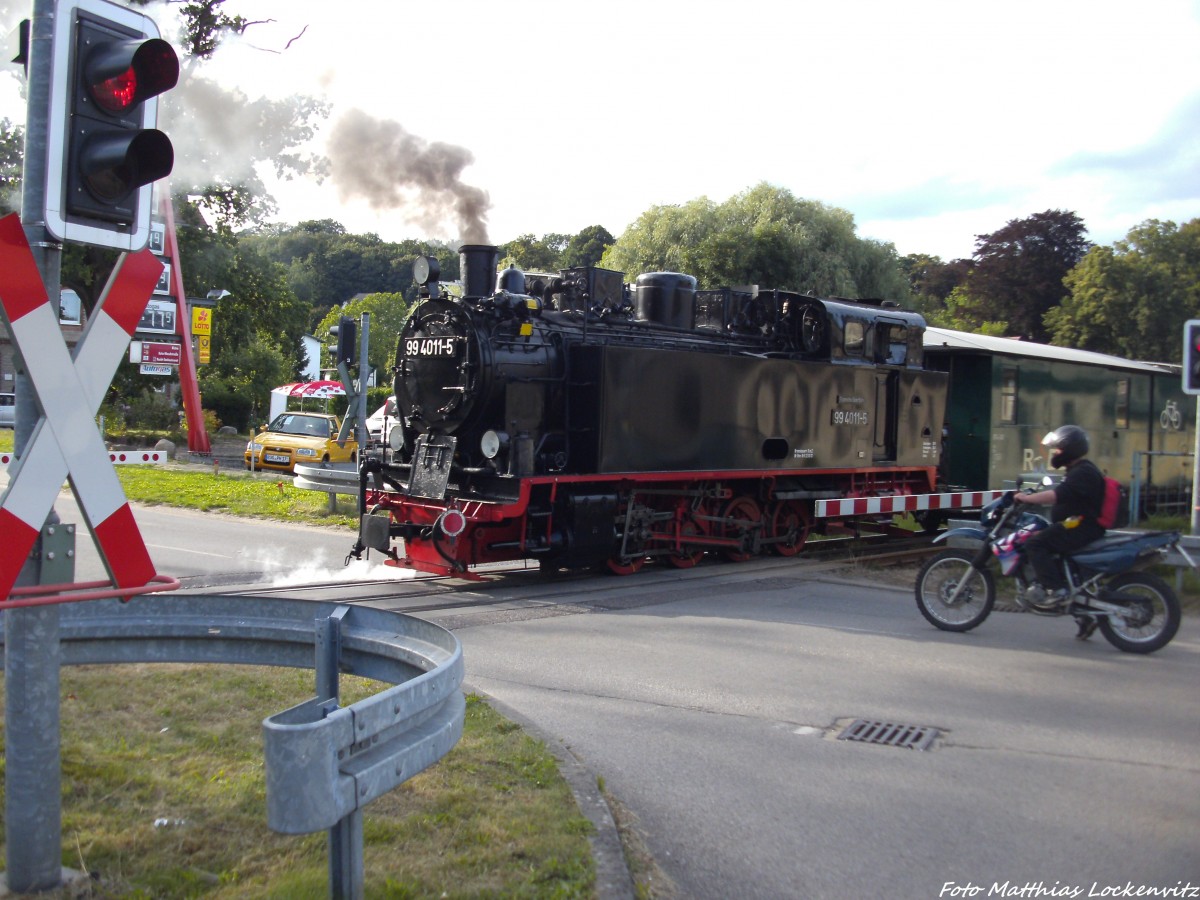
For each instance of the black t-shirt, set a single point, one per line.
(1081, 493)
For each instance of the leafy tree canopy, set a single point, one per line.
(256, 328)
(765, 236)
(1017, 272)
(1132, 299)
(326, 266)
(587, 248)
(388, 312)
(534, 254)
(12, 155)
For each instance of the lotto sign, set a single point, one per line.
(65, 443)
(201, 320)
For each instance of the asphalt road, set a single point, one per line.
(712, 711)
(710, 703)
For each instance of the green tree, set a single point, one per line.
(326, 266)
(1017, 272)
(388, 312)
(256, 328)
(12, 155)
(587, 248)
(237, 385)
(1132, 299)
(956, 312)
(931, 281)
(544, 254)
(764, 236)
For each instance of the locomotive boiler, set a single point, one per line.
(574, 419)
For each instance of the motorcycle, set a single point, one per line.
(1135, 610)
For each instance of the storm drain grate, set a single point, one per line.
(890, 734)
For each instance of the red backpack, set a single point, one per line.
(1114, 511)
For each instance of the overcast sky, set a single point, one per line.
(931, 122)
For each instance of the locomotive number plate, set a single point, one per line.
(850, 417)
(429, 346)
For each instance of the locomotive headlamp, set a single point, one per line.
(492, 443)
(396, 438)
(425, 270)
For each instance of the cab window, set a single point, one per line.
(855, 338)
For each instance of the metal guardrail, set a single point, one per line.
(323, 762)
(329, 480)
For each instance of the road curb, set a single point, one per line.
(613, 879)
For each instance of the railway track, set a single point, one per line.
(525, 588)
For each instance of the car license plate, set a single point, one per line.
(275, 458)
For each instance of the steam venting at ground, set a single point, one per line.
(380, 162)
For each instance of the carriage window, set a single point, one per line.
(1008, 396)
(1122, 413)
(893, 344)
(854, 339)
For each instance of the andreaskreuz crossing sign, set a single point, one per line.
(65, 443)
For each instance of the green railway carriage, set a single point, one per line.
(1006, 394)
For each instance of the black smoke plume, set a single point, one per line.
(382, 163)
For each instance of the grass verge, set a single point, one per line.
(163, 796)
(237, 493)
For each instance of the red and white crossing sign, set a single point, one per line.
(66, 443)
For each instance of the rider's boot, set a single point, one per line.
(1087, 627)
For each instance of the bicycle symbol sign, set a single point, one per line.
(1171, 419)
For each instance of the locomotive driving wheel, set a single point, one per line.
(687, 555)
(791, 521)
(739, 520)
(625, 565)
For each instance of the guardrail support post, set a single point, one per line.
(347, 878)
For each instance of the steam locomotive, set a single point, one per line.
(577, 420)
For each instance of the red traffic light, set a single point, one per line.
(122, 74)
(114, 150)
(109, 66)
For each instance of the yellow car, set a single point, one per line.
(299, 437)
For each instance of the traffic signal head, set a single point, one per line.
(110, 66)
(1191, 356)
(346, 333)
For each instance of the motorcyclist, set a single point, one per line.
(1075, 510)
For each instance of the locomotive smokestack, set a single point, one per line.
(477, 268)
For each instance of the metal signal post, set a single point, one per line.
(1191, 385)
(93, 71)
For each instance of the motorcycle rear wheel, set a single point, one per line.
(936, 583)
(1153, 617)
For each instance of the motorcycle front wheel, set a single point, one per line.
(937, 583)
(1153, 613)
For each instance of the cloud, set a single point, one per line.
(1164, 168)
